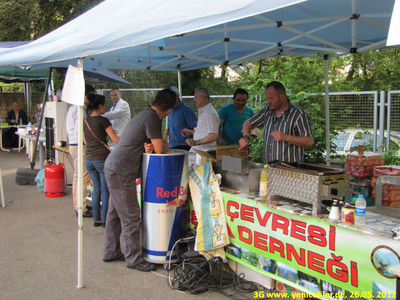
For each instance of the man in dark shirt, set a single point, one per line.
(121, 169)
(14, 117)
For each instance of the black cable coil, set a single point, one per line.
(198, 275)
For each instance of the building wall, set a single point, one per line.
(7, 100)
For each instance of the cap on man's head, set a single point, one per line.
(174, 89)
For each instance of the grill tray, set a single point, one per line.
(307, 168)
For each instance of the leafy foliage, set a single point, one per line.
(297, 75)
(25, 20)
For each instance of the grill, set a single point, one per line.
(308, 183)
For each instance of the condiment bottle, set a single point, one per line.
(361, 149)
(335, 211)
(264, 183)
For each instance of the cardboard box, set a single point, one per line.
(374, 162)
(222, 150)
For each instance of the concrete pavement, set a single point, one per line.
(38, 250)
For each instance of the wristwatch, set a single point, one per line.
(246, 137)
(198, 142)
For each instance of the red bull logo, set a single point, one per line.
(176, 203)
(174, 193)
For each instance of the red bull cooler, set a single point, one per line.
(164, 195)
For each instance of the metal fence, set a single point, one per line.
(349, 112)
(139, 99)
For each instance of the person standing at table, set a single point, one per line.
(122, 169)
(205, 135)
(119, 113)
(232, 117)
(72, 132)
(16, 116)
(35, 119)
(287, 128)
(96, 128)
(181, 116)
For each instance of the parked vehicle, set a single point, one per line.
(348, 141)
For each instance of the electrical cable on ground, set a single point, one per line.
(197, 275)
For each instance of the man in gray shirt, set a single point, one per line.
(122, 169)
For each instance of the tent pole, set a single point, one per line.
(179, 82)
(327, 124)
(28, 98)
(41, 117)
(354, 25)
(80, 187)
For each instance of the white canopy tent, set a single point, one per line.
(185, 35)
(182, 35)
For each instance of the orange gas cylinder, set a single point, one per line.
(54, 185)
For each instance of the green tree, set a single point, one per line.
(297, 75)
(25, 20)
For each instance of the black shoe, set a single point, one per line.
(120, 258)
(104, 224)
(88, 207)
(97, 224)
(86, 214)
(144, 266)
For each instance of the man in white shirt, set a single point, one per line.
(205, 135)
(72, 132)
(119, 114)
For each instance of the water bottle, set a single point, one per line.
(264, 183)
(20, 121)
(29, 127)
(361, 204)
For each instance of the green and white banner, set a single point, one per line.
(312, 255)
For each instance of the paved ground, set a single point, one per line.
(38, 250)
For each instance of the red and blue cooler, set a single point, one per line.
(164, 195)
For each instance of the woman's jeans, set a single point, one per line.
(95, 168)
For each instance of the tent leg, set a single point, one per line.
(80, 187)
(179, 82)
(327, 124)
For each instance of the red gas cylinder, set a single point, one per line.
(54, 180)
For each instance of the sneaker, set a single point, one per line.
(144, 266)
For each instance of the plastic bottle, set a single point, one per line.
(20, 121)
(361, 204)
(264, 183)
(29, 127)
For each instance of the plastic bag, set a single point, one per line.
(212, 231)
(40, 180)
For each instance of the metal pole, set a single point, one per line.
(80, 181)
(381, 122)
(41, 118)
(354, 25)
(388, 119)
(179, 82)
(327, 123)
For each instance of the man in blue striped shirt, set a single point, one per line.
(287, 128)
